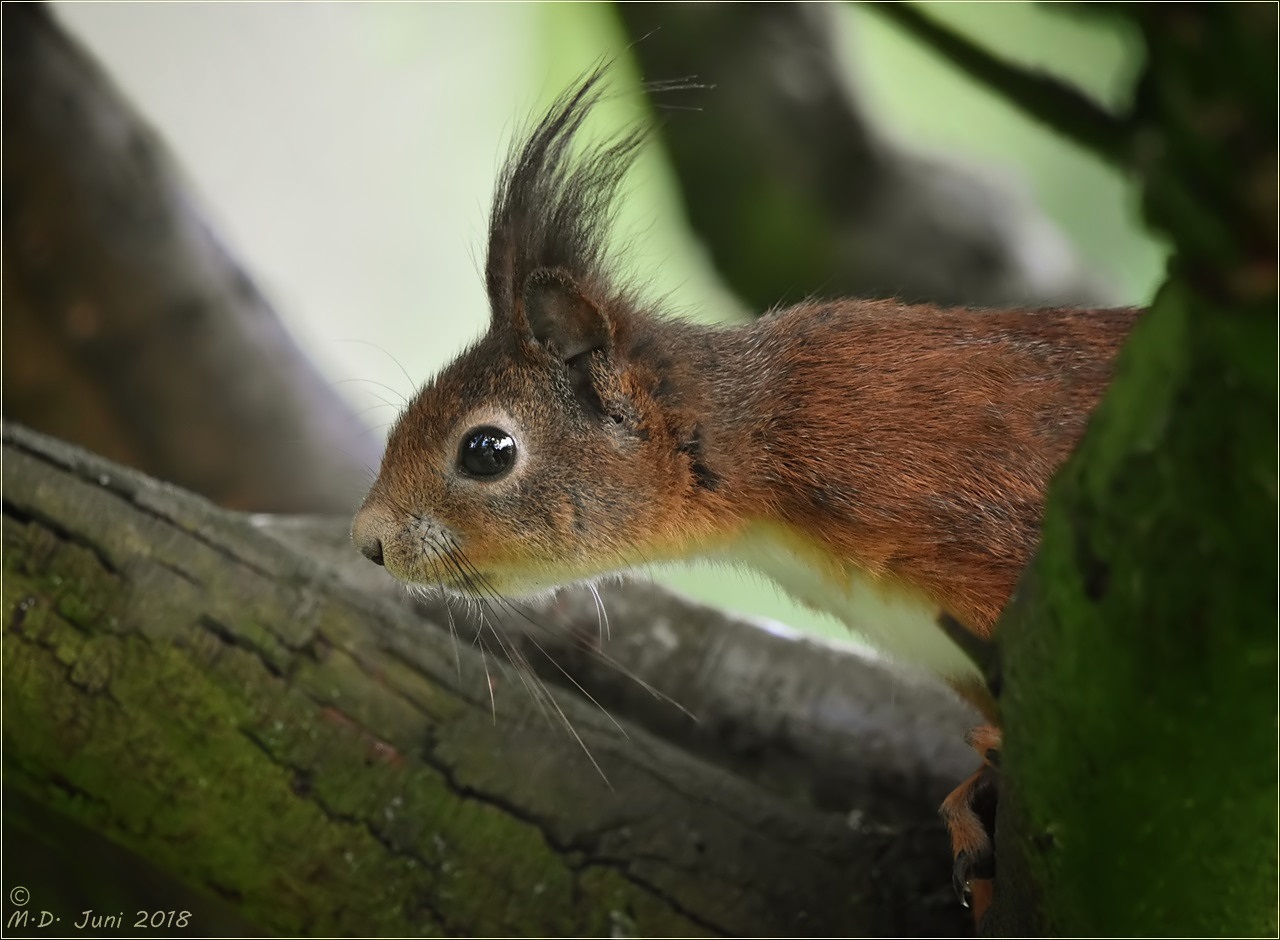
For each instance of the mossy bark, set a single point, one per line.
(1139, 706)
(1140, 771)
(243, 718)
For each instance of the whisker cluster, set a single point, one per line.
(490, 609)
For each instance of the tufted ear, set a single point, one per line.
(560, 316)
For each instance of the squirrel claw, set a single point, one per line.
(960, 878)
(969, 813)
(967, 868)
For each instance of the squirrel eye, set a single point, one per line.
(486, 452)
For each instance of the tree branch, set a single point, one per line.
(1060, 107)
(242, 715)
(795, 191)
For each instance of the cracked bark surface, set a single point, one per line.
(319, 759)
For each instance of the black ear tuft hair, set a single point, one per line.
(552, 210)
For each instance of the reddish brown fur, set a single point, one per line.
(915, 442)
(912, 443)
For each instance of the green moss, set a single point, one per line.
(620, 913)
(1151, 652)
(187, 745)
(1141, 662)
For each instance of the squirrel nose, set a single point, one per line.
(364, 532)
(371, 549)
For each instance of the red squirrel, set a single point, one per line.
(884, 463)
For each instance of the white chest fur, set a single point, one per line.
(898, 622)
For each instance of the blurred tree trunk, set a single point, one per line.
(127, 327)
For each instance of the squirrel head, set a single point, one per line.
(555, 448)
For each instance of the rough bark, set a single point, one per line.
(1140, 765)
(127, 327)
(793, 190)
(247, 718)
(812, 720)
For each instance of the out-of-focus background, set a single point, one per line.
(346, 154)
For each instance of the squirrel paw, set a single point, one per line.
(970, 815)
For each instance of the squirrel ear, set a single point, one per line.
(559, 315)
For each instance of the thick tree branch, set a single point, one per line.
(244, 716)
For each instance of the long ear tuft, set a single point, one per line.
(552, 210)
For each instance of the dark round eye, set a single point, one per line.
(486, 452)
